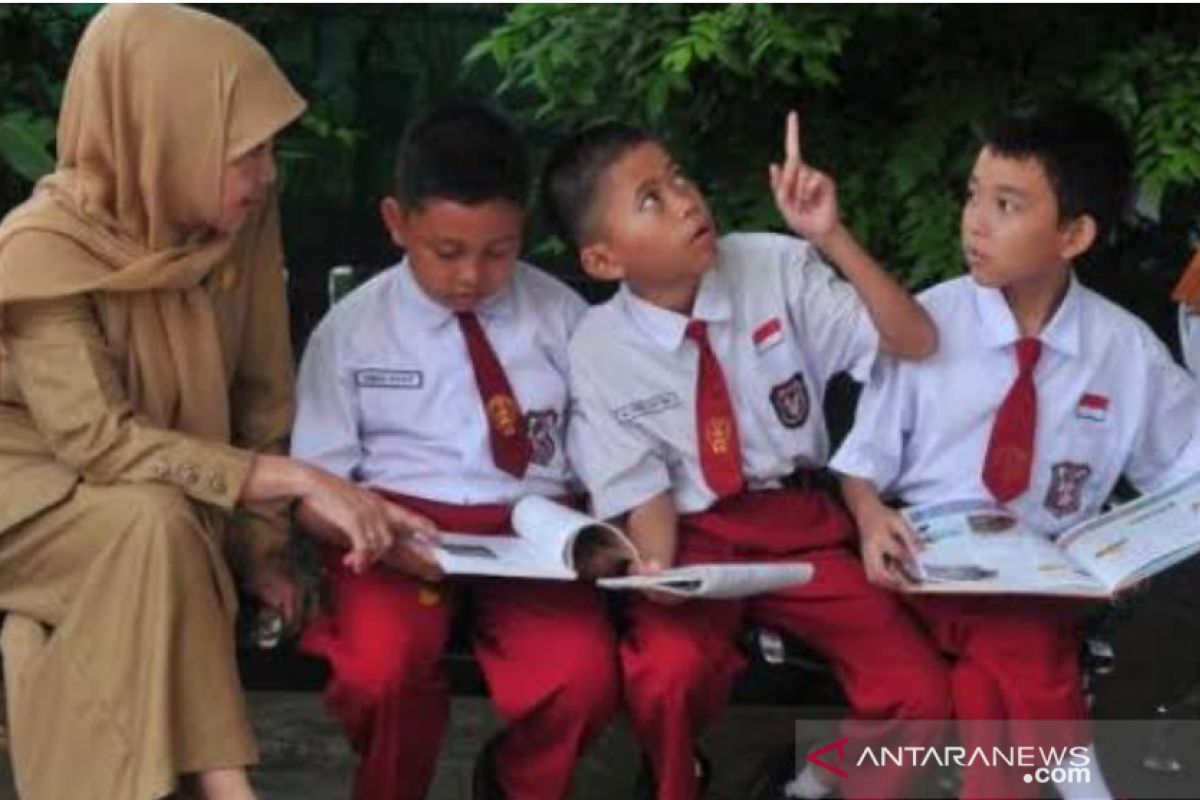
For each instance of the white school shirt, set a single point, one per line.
(387, 397)
(780, 322)
(1189, 339)
(1111, 401)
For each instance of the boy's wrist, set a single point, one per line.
(833, 242)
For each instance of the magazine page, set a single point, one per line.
(975, 546)
(550, 541)
(717, 580)
(1139, 538)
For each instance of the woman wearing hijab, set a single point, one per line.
(145, 389)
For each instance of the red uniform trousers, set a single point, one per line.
(546, 648)
(1014, 662)
(679, 661)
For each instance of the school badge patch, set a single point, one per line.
(540, 427)
(1067, 479)
(790, 401)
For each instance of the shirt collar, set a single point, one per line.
(667, 327)
(432, 315)
(998, 326)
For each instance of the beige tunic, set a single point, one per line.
(144, 355)
(110, 533)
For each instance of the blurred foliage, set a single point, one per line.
(892, 101)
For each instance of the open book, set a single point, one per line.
(978, 547)
(554, 542)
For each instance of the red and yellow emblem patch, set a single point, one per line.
(718, 435)
(503, 414)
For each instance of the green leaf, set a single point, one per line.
(24, 144)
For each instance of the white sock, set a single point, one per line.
(807, 785)
(1094, 788)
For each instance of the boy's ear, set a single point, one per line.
(1078, 236)
(600, 262)
(395, 219)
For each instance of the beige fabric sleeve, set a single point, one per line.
(262, 405)
(73, 392)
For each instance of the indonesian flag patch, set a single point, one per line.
(1093, 407)
(769, 334)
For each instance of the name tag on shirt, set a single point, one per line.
(649, 405)
(389, 378)
(1093, 407)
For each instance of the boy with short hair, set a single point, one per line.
(1041, 396)
(442, 383)
(697, 417)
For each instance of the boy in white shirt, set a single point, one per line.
(1041, 396)
(442, 384)
(697, 418)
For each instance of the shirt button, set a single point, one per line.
(216, 483)
(190, 475)
(160, 469)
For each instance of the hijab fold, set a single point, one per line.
(158, 100)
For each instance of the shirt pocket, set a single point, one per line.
(396, 399)
(1077, 469)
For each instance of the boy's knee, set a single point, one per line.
(679, 666)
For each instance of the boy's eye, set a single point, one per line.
(447, 253)
(1007, 205)
(648, 201)
(498, 253)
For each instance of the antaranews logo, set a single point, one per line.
(840, 746)
(1058, 765)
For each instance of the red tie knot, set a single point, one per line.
(697, 331)
(1029, 349)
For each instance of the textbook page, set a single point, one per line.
(975, 546)
(1139, 538)
(550, 541)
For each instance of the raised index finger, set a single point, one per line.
(791, 141)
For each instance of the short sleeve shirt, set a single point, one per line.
(780, 322)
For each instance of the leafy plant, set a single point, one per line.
(892, 98)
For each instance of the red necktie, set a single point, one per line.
(511, 449)
(1006, 466)
(716, 425)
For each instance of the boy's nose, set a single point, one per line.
(468, 273)
(972, 221)
(687, 204)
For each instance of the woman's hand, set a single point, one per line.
(373, 528)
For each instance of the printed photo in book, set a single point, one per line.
(977, 547)
(552, 541)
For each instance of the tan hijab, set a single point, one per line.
(158, 100)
